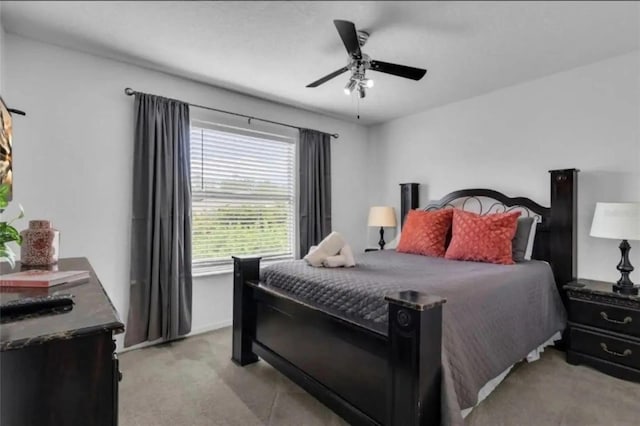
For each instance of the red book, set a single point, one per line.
(36, 278)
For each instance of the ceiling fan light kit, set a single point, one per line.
(360, 62)
(358, 79)
(351, 85)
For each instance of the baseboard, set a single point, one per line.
(210, 327)
(140, 346)
(194, 332)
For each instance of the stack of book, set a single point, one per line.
(42, 279)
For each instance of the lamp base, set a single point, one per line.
(381, 243)
(624, 284)
(627, 290)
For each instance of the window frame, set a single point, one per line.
(234, 125)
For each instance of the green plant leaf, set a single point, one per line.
(4, 194)
(8, 233)
(7, 255)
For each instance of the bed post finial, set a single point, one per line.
(563, 223)
(409, 199)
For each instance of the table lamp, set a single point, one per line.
(382, 216)
(620, 221)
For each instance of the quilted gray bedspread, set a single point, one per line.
(494, 316)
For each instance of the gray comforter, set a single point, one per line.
(494, 315)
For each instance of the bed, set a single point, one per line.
(405, 339)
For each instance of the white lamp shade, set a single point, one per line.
(382, 216)
(620, 221)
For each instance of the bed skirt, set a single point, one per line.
(492, 384)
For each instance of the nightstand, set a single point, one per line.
(367, 250)
(604, 329)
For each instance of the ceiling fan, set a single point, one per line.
(360, 62)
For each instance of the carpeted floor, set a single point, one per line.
(193, 382)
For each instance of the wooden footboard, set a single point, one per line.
(366, 377)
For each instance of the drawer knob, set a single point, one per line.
(626, 320)
(626, 352)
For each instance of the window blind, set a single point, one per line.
(243, 196)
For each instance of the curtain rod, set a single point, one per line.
(16, 111)
(130, 92)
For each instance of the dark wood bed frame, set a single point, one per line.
(367, 377)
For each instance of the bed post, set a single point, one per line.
(415, 364)
(244, 309)
(409, 199)
(563, 224)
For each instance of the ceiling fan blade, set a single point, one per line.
(399, 70)
(328, 77)
(349, 36)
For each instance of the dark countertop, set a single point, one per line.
(601, 288)
(92, 312)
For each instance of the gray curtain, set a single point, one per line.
(160, 292)
(314, 188)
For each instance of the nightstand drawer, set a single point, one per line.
(605, 347)
(607, 317)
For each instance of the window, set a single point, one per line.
(243, 193)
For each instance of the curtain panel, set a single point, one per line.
(314, 188)
(161, 281)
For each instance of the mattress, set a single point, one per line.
(494, 315)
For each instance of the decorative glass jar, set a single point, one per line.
(40, 244)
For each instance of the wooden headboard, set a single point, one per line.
(556, 232)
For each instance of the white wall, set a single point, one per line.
(588, 118)
(73, 152)
(73, 158)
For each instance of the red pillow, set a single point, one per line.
(483, 238)
(425, 232)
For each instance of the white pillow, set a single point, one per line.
(347, 253)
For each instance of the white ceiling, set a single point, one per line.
(273, 49)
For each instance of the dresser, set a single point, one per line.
(604, 329)
(61, 369)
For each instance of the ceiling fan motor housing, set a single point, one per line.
(359, 66)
